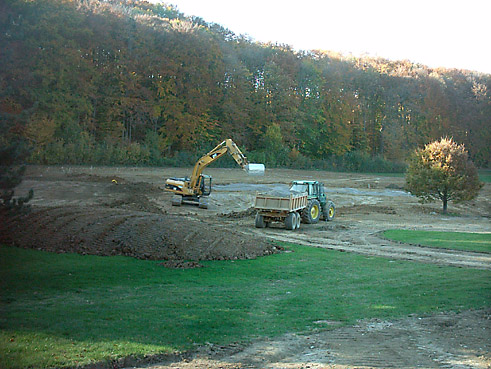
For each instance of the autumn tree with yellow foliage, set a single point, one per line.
(442, 171)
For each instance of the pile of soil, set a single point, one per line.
(117, 231)
(367, 209)
(248, 213)
(122, 221)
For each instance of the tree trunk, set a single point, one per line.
(445, 201)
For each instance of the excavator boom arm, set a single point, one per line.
(226, 146)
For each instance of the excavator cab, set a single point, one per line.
(205, 184)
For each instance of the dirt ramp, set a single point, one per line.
(144, 235)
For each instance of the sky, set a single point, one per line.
(446, 33)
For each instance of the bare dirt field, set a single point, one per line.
(124, 211)
(440, 341)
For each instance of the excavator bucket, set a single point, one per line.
(255, 169)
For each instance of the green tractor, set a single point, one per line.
(318, 206)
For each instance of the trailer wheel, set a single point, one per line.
(329, 211)
(260, 221)
(290, 221)
(177, 200)
(297, 220)
(312, 212)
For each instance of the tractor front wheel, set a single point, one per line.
(329, 211)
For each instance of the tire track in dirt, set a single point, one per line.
(372, 245)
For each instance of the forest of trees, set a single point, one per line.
(128, 82)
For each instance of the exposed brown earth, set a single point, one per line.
(448, 340)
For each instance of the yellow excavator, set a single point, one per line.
(194, 189)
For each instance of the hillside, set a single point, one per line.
(88, 81)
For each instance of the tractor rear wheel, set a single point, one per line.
(312, 212)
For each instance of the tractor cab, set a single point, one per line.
(314, 189)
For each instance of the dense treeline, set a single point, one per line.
(89, 81)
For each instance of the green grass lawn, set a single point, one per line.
(67, 309)
(480, 242)
(486, 178)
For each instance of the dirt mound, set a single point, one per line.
(367, 209)
(117, 231)
(248, 213)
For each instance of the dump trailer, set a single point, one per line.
(284, 209)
